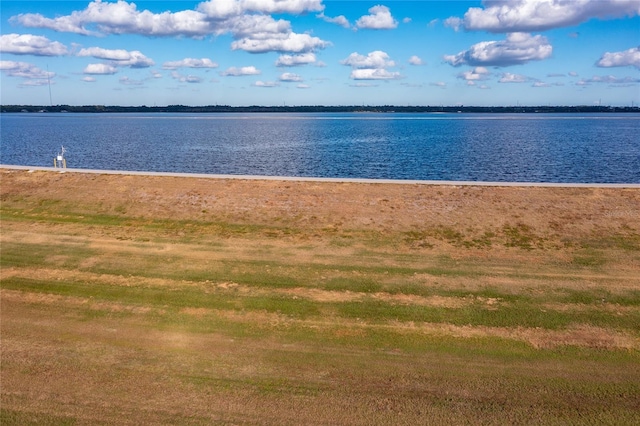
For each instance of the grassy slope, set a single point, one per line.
(120, 318)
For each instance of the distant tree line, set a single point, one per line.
(315, 108)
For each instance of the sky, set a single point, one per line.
(319, 52)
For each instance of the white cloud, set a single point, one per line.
(303, 86)
(296, 60)
(441, 84)
(119, 57)
(454, 22)
(220, 10)
(371, 67)
(379, 18)
(256, 26)
(374, 74)
(28, 44)
(415, 60)
(290, 77)
(237, 72)
(375, 59)
(244, 20)
(338, 20)
(33, 75)
(476, 74)
(508, 77)
(100, 53)
(185, 78)
(609, 79)
(190, 63)
(88, 79)
(518, 48)
(291, 42)
(129, 82)
(260, 83)
(121, 17)
(539, 15)
(223, 9)
(626, 58)
(406, 20)
(100, 69)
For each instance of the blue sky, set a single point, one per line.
(315, 52)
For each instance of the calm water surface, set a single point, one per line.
(476, 147)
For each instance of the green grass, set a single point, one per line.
(516, 312)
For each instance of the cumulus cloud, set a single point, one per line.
(500, 16)
(290, 42)
(260, 83)
(119, 57)
(88, 79)
(121, 17)
(374, 74)
(185, 78)
(416, 60)
(626, 58)
(290, 77)
(237, 72)
(217, 9)
(518, 48)
(379, 18)
(31, 73)
(508, 77)
(338, 20)
(375, 59)
(476, 74)
(28, 44)
(454, 22)
(245, 20)
(100, 69)
(190, 63)
(371, 67)
(296, 60)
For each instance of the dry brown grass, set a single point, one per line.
(154, 300)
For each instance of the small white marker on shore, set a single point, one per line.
(59, 161)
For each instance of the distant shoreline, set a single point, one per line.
(325, 179)
(316, 109)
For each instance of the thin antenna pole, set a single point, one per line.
(49, 81)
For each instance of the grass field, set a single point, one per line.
(139, 300)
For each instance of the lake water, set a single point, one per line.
(591, 148)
